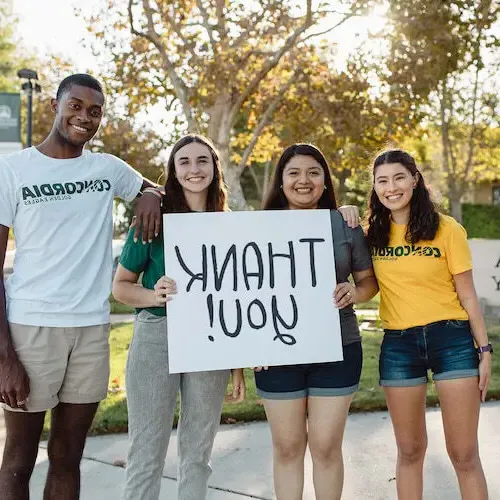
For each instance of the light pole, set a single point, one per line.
(29, 87)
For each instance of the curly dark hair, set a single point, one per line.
(424, 218)
(276, 199)
(174, 199)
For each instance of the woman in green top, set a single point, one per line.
(194, 183)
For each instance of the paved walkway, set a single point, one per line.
(121, 318)
(242, 461)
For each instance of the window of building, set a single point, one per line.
(496, 195)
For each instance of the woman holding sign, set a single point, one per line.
(308, 404)
(431, 316)
(194, 184)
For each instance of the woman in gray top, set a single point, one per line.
(308, 404)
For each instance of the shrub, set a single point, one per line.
(482, 221)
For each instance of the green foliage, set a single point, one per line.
(119, 308)
(482, 221)
(442, 66)
(7, 50)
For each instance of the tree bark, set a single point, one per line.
(232, 176)
(219, 132)
(456, 207)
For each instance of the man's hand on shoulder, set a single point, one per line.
(148, 214)
(350, 213)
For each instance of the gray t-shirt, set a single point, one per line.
(351, 255)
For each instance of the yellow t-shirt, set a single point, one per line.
(416, 281)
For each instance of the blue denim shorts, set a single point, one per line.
(339, 378)
(445, 347)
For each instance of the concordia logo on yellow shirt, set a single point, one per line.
(390, 253)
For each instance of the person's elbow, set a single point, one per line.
(368, 287)
(373, 287)
(119, 289)
(116, 290)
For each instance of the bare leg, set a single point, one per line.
(326, 423)
(287, 419)
(460, 401)
(20, 452)
(69, 428)
(407, 409)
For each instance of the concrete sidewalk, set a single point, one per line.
(242, 461)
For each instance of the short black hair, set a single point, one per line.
(78, 79)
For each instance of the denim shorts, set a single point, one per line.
(339, 378)
(445, 347)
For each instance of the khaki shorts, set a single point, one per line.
(68, 365)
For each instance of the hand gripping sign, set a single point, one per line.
(253, 289)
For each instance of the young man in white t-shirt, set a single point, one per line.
(54, 311)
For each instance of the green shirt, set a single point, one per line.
(147, 259)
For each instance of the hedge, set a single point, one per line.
(481, 221)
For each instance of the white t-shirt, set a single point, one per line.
(62, 215)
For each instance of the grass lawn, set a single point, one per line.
(118, 307)
(112, 413)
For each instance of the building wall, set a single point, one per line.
(482, 193)
(486, 262)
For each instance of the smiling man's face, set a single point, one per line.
(78, 114)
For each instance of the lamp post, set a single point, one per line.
(29, 87)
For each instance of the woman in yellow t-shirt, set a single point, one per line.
(431, 317)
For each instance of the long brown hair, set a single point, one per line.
(276, 199)
(174, 200)
(424, 218)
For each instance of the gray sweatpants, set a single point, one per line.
(151, 401)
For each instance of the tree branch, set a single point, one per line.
(176, 27)
(472, 134)
(272, 62)
(244, 35)
(152, 36)
(265, 185)
(255, 180)
(444, 129)
(206, 24)
(264, 120)
(336, 25)
(221, 22)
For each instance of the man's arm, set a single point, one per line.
(148, 211)
(14, 381)
(5, 340)
(146, 183)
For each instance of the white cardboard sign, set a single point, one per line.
(253, 288)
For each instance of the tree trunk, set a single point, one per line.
(265, 186)
(219, 132)
(456, 209)
(455, 194)
(237, 199)
(232, 176)
(342, 190)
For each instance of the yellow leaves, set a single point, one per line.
(268, 145)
